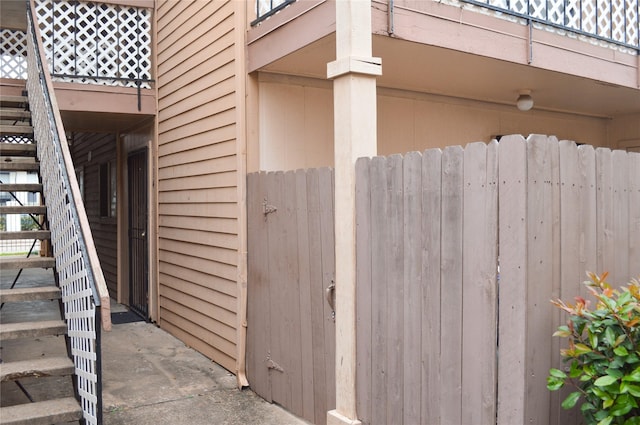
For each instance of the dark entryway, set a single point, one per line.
(138, 246)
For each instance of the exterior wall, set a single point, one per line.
(89, 151)
(624, 132)
(198, 184)
(296, 122)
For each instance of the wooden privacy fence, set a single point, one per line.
(291, 332)
(458, 253)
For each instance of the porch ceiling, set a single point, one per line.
(429, 69)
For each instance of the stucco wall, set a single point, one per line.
(296, 122)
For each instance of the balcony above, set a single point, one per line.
(98, 53)
(476, 53)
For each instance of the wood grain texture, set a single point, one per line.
(512, 373)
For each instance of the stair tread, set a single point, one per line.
(23, 209)
(14, 113)
(25, 234)
(32, 329)
(19, 165)
(18, 149)
(12, 263)
(20, 187)
(46, 366)
(4, 99)
(49, 292)
(42, 412)
(16, 129)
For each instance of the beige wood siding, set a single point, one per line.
(197, 176)
(89, 151)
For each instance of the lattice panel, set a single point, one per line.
(617, 21)
(96, 43)
(604, 23)
(538, 9)
(633, 22)
(13, 57)
(15, 138)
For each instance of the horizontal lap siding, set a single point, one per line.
(89, 151)
(197, 176)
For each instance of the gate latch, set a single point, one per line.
(330, 293)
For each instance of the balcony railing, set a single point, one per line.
(93, 43)
(612, 21)
(266, 8)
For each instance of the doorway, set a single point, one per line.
(138, 228)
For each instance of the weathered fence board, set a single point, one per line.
(430, 296)
(512, 373)
(458, 254)
(451, 287)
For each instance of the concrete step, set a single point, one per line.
(29, 294)
(8, 130)
(23, 209)
(37, 368)
(14, 114)
(25, 234)
(18, 149)
(42, 413)
(32, 329)
(20, 187)
(19, 165)
(13, 263)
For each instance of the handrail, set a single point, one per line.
(84, 291)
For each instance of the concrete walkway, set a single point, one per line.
(152, 378)
(149, 377)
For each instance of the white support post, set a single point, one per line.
(354, 96)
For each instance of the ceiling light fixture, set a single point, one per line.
(525, 101)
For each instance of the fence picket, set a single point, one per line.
(412, 279)
(277, 228)
(620, 217)
(512, 220)
(379, 241)
(430, 296)
(314, 201)
(325, 193)
(364, 339)
(451, 286)
(258, 312)
(479, 278)
(604, 198)
(571, 274)
(393, 253)
(306, 332)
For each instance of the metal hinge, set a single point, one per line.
(268, 209)
(273, 365)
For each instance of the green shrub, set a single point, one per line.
(603, 355)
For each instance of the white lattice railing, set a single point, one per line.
(84, 291)
(612, 21)
(92, 43)
(96, 42)
(13, 57)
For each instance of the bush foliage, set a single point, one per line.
(603, 356)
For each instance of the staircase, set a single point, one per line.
(36, 370)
